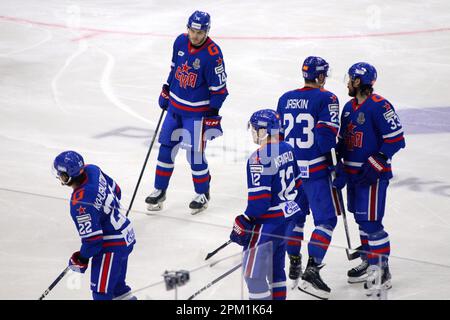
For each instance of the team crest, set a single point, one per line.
(361, 119)
(196, 64)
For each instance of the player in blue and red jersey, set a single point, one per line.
(274, 199)
(370, 135)
(310, 117)
(193, 95)
(107, 236)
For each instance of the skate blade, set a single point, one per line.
(308, 288)
(155, 207)
(196, 211)
(359, 279)
(294, 283)
(376, 290)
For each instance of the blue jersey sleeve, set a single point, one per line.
(327, 125)
(216, 77)
(259, 183)
(87, 220)
(389, 126)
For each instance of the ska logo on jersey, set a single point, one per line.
(353, 139)
(184, 77)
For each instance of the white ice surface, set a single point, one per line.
(73, 73)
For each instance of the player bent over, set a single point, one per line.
(310, 117)
(107, 236)
(274, 197)
(370, 134)
(194, 93)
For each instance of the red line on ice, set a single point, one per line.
(274, 38)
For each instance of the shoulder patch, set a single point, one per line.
(84, 218)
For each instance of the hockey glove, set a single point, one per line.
(77, 263)
(341, 176)
(164, 97)
(241, 230)
(372, 170)
(212, 128)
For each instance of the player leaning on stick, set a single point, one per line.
(107, 236)
(194, 93)
(370, 134)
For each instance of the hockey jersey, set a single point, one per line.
(310, 118)
(94, 207)
(275, 194)
(197, 80)
(366, 129)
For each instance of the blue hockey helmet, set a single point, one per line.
(68, 165)
(364, 71)
(266, 119)
(313, 67)
(199, 20)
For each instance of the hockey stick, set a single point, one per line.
(145, 161)
(355, 254)
(209, 255)
(54, 283)
(215, 281)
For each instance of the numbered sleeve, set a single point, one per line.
(259, 184)
(87, 220)
(216, 77)
(327, 125)
(388, 124)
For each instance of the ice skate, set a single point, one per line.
(312, 283)
(155, 200)
(199, 203)
(358, 273)
(378, 280)
(295, 269)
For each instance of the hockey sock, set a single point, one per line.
(320, 240)
(294, 243)
(258, 289)
(200, 172)
(164, 167)
(379, 247)
(279, 290)
(364, 243)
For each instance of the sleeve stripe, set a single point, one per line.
(321, 125)
(259, 189)
(394, 140)
(260, 196)
(330, 124)
(219, 92)
(92, 234)
(217, 88)
(393, 134)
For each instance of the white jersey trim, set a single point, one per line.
(259, 295)
(257, 189)
(200, 173)
(379, 242)
(92, 234)
(325, 230)
(279, 284)
(218, 87)
(165, 165)
(331, 124)
(393, 134)
(192, 104)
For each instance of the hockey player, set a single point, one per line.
(370, 134)
(274, 197)
(194, 93)
(107, 236)
(310, 118)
